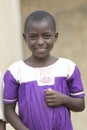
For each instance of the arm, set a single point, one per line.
(2, 118)
(13, 118)
(55, 98)
(2, 125)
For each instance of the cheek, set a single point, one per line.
(50, 45)
(30, 43)
(51, 42)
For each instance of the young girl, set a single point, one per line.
(2, 119)
(45, 87)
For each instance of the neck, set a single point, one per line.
(40, 62)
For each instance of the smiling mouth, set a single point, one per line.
(40, 49)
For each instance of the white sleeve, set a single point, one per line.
(1, 99)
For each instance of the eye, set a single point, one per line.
(47, 36)
(33, 36)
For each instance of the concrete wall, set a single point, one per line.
(71, 19)
(10, 33)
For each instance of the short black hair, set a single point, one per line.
(39, 15)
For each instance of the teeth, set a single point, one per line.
(41, 49)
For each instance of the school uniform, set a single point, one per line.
(25, 84)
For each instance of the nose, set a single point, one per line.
(40, 40)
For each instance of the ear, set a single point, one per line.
(24, 36)
(56, 36)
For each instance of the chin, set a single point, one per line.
(41, 56)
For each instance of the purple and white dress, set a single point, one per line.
(25, 84)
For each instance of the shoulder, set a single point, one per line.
(15, 65)
(14, 69)
(68, 65)
(67, 62)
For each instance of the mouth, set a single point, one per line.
(40, 50)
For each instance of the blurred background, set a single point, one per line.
(71, 19)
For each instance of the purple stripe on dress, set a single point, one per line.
(75, 84)
(11, 88)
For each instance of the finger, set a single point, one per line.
(51, 104)
(50, 96)
(50, 100)
(47, 90)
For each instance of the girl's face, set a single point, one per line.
(40, 38)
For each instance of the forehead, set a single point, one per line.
(43, 25)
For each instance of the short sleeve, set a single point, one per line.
(10, 88)
(75, 84)
(2, 117)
